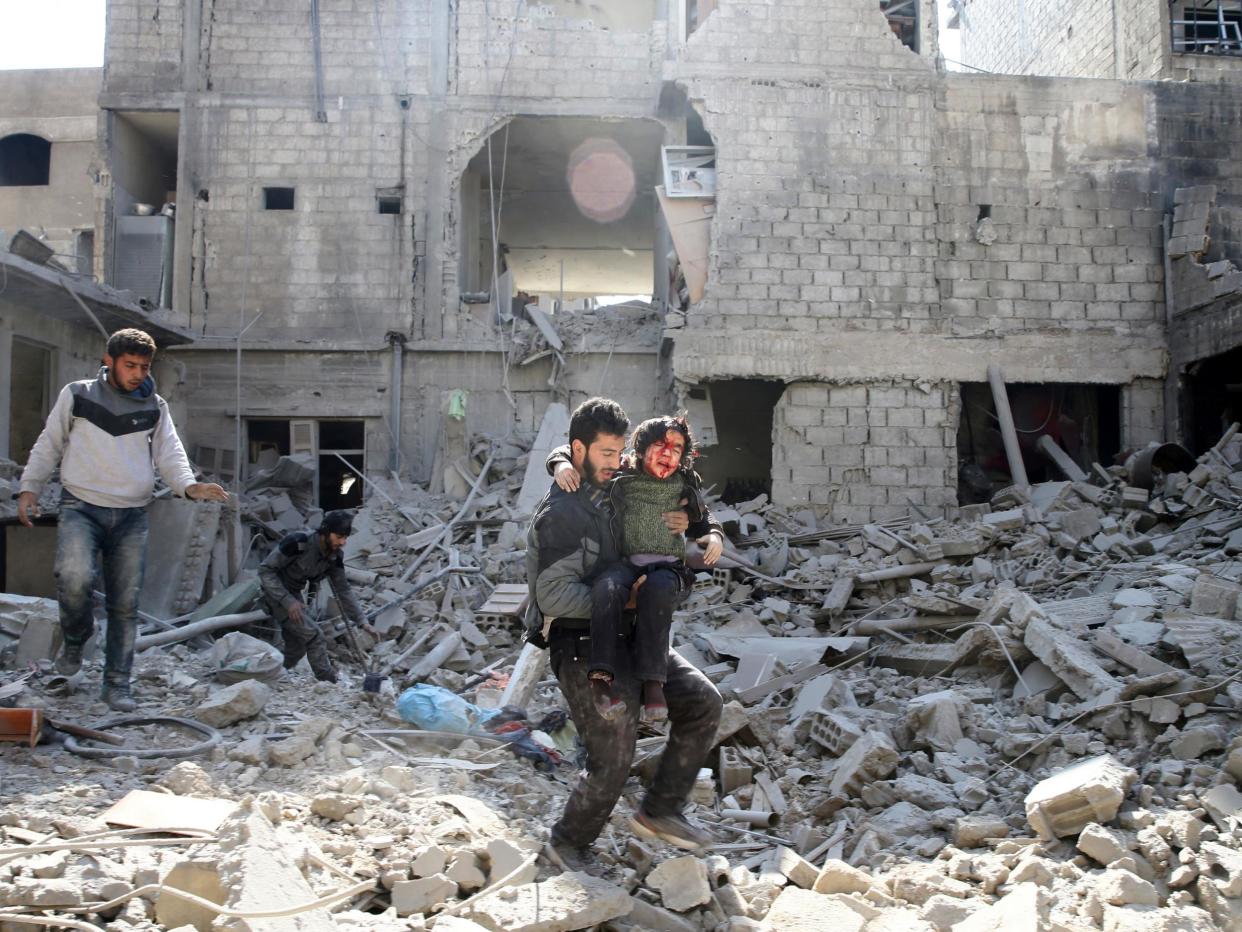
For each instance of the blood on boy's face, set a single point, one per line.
(664, 456)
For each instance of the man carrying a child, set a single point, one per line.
(582, 559)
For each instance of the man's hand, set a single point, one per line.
(567, 477)
(370, 629)
(677, 521)
(638, 584)
(297, 611)
(206, 492)
(713, 545)
(27, 508)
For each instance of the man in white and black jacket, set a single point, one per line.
(108, 435)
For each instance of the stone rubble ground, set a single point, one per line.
(882, 764)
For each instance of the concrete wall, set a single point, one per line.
(58, 106)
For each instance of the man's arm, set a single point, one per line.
(567, 554)
(174, 466)
(561, 468)
(270, 569)
(48, 449)
(345, 596)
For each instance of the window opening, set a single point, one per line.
(1213, 28)
(388, 204)
(142, 155)
(739, 462)
(30, 395)
(25, 160)
(903, 19)
(84, 250)
(1084, 420)
(278, 198)
(1213, 398)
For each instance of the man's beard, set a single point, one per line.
(591, 473)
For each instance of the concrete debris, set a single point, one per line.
(1020, 719)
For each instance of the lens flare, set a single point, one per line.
(601, 180)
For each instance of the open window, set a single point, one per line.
(143, 160)
(1084, 420)
(732, 423)
(1210, 27)
(25, 160)
(562, 211)
(337, 446)
(903, 19)
(1213, 398)
(30, 395)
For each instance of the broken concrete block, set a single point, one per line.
(1193, 743)
(564, 903)
(973, 831)
(797, 910)
(935, 719)
(49, 892)
(925, 792)
(506, 857)
(1134, 598)
(796, 868)
(1089, 791)
(1024, 909)
(233, 703)
(945, 912)
(871, 757)
(917, 883)
(1071, 660)
(466, 872)
(334, 806)
(1214, 596)
(429, 862)
(1102, 844)
(1150, 919)
(834, 731)
(838, 877)
(681, 883)
(1122, 888)
(644, 915)
(40, 638)
(418, 896)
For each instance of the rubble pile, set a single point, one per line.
(1021, 719)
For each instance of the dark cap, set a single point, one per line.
(337, 522)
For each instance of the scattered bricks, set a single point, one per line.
(945, 912)
(838, 877)
(37, 891)
(917, 883)
(40, 640)
(566, 902)
(1071, 660)
(834, 731)
(1233, 764)
(871, 757)
(1226, 861)
(796, 868)
(506, 857)
(1133, 598)
(734, 770)
(797, 910)
(418, 896)
(1214, 596)
(1090, 791)
(233, 703)
(974, 831)
(1122, 888)
(681, 883)
(1102, 844)
(1180, 828)
(334, 806)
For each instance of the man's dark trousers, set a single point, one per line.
(694, 706)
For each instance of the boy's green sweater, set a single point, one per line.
(644, 499)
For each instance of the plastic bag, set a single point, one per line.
(436, 709)
(236, 657)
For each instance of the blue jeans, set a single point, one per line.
(116, 537)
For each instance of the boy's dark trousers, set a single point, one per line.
(657, 598)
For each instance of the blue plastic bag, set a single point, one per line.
(434, 708)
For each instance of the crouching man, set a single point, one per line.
(109, 435)
(300, 559)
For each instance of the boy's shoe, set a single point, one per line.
(70, 660)
(118, 699)
(676, 829)
(569, 857)
(607, 703)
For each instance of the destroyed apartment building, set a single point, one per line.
(959, 348)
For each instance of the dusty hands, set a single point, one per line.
(713, 547)
(677, 521)
(567, 477)
(297, 611)
(206, 492)
(27, 508)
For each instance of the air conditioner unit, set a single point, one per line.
(143, 258)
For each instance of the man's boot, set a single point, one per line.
(70, 660)
(118, 698)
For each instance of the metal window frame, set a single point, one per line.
(1222, 25)
(905, 11)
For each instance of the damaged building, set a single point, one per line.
(819, 239)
